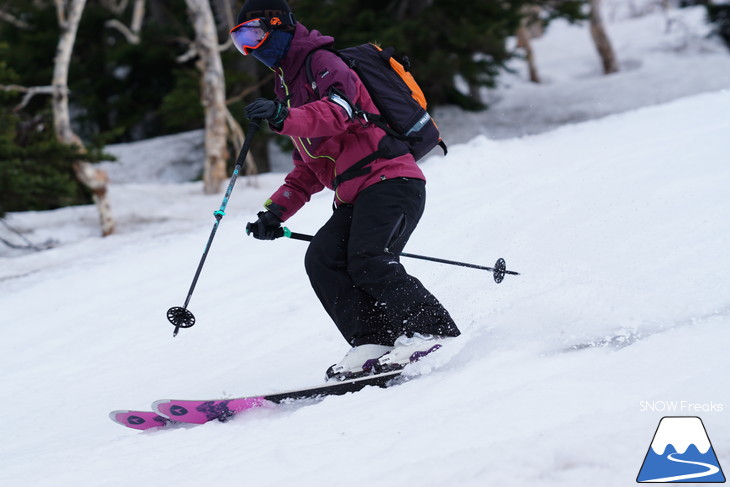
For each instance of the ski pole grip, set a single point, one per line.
(296, 236)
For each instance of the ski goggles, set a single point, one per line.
(250, 35)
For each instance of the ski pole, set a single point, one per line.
(180, 316)
(498, 271)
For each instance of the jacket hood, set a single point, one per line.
(304, 42)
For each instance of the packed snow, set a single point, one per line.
(610, 197)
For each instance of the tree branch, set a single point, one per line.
(191, 53)
(12, 19)
(131, 37)
(29, 93)
(61, 12)
(132, 33)
(224, 47)
(243, 94)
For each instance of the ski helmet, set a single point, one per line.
(254, 9)
(265, 29)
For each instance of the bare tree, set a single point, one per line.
(69, 15)
(600, 38)
(223, 11)
(212, 93)
(236, 137)
(131, 33)
(530, 27)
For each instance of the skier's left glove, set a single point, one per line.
(272, 110)
(267, 227)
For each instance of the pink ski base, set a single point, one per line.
(199, 412)
(139, 420)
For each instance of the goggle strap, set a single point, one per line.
(286, 19)
(289, 19)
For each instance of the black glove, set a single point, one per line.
(273, 111)
(267, 227)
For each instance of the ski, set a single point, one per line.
(200, 412)
(140, 420)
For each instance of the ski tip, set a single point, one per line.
(118, 416)
(139, 420)
(114, 415)
(158, 404)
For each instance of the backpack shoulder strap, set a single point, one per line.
(308, 68)
(369, 117)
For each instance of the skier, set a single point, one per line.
(386, 315)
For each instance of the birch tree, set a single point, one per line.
(530, 27)
(69, 14)
(212, 93)
(131, 33)
(223, 12)
(600, 38)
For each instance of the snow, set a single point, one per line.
(614, 209)
(181, 160)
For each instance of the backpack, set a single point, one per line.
(397, 96)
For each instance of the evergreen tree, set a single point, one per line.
(123, 92)
(36, 172)
(719, 16)
(135, 91)
(442, 38)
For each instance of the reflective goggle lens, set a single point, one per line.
(249, 35)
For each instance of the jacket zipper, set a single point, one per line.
(301, 142)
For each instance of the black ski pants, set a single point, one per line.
(353, 266)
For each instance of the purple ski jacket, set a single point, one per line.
(327, 140)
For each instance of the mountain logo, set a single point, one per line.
(681, 452)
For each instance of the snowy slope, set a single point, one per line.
(661, 57)
(620, 228)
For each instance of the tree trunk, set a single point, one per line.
(69, 16)
(68, 21)
(237, 138)
(530, 27)
(600, 38)
(523, 41)
(212, 94)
